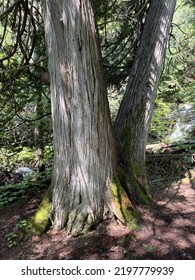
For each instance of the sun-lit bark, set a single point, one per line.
(84, 154)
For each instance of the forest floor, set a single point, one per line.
(166, 233)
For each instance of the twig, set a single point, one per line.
(23, 67)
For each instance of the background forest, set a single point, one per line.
(26, 137)
(26, 129)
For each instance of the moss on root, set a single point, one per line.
(123, 209)
(38, 223)
(137, 193)
(143, 192)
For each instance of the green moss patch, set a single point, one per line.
(38, 224)
(123, 208)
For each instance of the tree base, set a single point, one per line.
(122, 207)
(81, 222)
(137, 192)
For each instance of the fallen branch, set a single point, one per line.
(189, 142)
(162, 146)
(170, 155)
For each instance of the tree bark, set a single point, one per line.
(134, 117)
(39, 134)
(84, 151)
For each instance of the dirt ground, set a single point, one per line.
(165, 233)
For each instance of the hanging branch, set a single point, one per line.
(9, 9)
(23, 34)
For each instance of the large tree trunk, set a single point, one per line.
(84, 153)
(134, 117)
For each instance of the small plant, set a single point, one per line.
(130, 256)
(11, 239)
(12, 236)
(31, 183)
(149, 248)
(22, 224)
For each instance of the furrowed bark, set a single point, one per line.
(84, 153)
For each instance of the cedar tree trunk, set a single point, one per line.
(84, 153)
(134, 117)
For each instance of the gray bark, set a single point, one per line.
(134, 117)
(83, 142)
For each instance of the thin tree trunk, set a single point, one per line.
(134, 117)
(84, 153)
(39, 125)
(39, 134)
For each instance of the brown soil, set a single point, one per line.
(168, 232)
